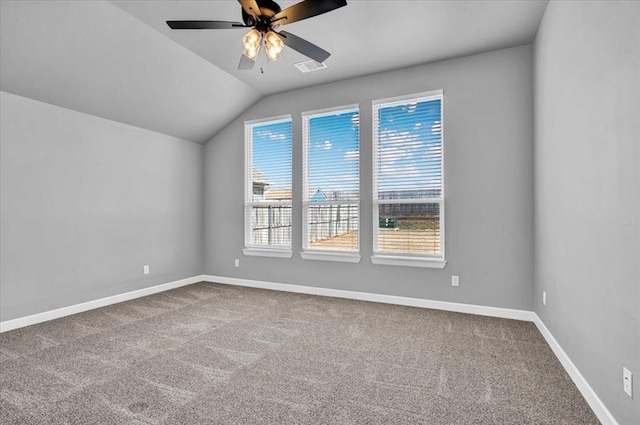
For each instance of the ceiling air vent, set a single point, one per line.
(311, 65)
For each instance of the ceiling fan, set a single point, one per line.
(264, 17)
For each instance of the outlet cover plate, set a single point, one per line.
(627, 381)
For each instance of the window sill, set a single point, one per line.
(331, 256)
(395, 260)
(265, 252)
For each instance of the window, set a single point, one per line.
(331, 184)
(268, 187)
(408, 197)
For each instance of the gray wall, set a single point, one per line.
(587, 191)
(488, 116)
(86, 202)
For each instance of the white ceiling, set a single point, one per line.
(92, 57)
(120, 60)
(363, 37)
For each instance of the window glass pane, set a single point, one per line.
(333, 156)
(271, 161)
(332, 179)
(271, 225)
(409, 150)
(333, 226)
(408, 166)
(268, 183)
(409, 228)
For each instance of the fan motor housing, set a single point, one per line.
(268, 8)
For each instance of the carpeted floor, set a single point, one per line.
(215, 354)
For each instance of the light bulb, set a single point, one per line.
(251, 53)
(273, 45)
(251, 40)
(273, 42)
(271, 54)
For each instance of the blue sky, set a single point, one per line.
(409, 149)
(272, 153)
(334, 152)
(410, 146)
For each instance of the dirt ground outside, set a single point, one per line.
(389, 240)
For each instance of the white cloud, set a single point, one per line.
(389, 155)
(277, 136)
(436, 128)
(351, 155)
(271, 135)
(433, 152)
(400, 138)
(402, 171)
(344, 179)
(398, 145)
(327, 145)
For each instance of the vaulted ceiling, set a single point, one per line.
(119, 60)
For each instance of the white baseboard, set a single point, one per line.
(587, 392)
(505, 313)
(21, 322)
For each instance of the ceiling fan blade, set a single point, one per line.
(306, 9)
(245, 63)
(204, 25)
(251, 7)
(303, 46)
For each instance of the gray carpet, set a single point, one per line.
(216, 354)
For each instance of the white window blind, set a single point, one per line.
(268, 183)
(331, 179)
(408, 192)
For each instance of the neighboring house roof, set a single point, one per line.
(277, 194)
(259, 178)
(318, 196)
(285, 194)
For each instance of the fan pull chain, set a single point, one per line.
(261, 59)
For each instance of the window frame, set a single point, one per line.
(308, 253)
(407, 259)
(251, 249)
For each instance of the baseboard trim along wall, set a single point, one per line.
(21, 322)
(504, 313)
(588, 393)
(585, 389)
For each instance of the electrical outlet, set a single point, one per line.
(146, 269)
(237, 263)
(455, 280)
(544, 297)
(627, 381)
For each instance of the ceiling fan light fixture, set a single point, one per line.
(251, 54)
(273, 45)
(252, 39)
(251, 42)
(265, 16)
(271, 56)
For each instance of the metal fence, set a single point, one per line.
(330, 221)
(271, 224)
